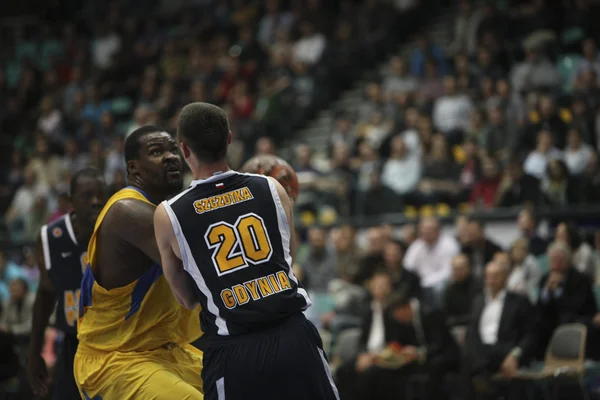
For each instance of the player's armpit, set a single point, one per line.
(133, 222)
(178, 279)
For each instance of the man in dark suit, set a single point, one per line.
(478, 248)
(500, 334)
(566, 296)
(403, 280)
(461, 292)
(422, 337)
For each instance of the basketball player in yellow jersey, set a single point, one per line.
(133, 334)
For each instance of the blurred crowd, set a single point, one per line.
(494, 117)
(462, 305)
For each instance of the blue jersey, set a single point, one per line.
(65, 260)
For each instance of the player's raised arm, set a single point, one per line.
(178, 279)
(133, 222)
(289, 213)
(45, 301)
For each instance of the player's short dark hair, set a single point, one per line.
(83, 173)
(205, 130)
(133, 144)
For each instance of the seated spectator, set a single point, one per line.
(431, 85)
(399, 80)
(577, 153)
(537, 161)
(590, 181)
(309, 48)
(581, 252)
(566, 295)
(485, 191)
(500, 335)
(528, 226)
(346, 252)
(478, 247)
(460, 292)
(318, 263)
(518, 187)
(424, 340)
(440, 175)
(9, 271)
(558, 188)
(470, 171)
(430, 257)
(500, 138)
(525, 273)
(402, 170)
(548, 118)
(535, 72)
(402, 280)
(420, 54)
(372, 255)
(452, 111)
(17, 313)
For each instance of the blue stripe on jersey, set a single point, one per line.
(142, 287)
(86, 397)
(143, 194)
(85, 295)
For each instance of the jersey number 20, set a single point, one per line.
(239, 245)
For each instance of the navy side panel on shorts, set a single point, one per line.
(65, 387)
(285, 362)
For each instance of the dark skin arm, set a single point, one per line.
(128, 244)
(45, 302)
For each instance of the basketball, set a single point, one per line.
(277, 168)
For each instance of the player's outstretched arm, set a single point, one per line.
(45, 301)
(133, 222)
(170, 255)
(288, 207)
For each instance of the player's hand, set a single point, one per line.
(509, 366)
(37, 374)
(364, 361)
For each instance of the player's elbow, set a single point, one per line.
(189, 303)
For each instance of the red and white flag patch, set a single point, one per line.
(219, 185)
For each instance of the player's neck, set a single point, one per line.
(152, 194)
(205, 171)
(82, 233)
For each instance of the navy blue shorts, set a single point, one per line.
(65, 387)
(282, 362)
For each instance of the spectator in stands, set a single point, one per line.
(431, 86)
(500, 336)
(460, 292)
(511, 103)
(537, 161)
(346, 252)
(9, 271)
(309, 48)
(577, 153)
(525, 273)
(426, 49)
(399, 80)
(319, 262)
(17, 313)
(547, 118)
(528, 226)
(536, 72)
(479, 248)
(591, 181)
(566, 295)
(440, 175)
(402, 170)
(22, 203)
(452, 111)
(518, 187)
(430, 257)
(372, 254)
(485, 191)
(591, 59)
(402, 280)
(499, 139)
(47, 166)
(558, 188)
(581, 252)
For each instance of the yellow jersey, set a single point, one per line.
(143, 315)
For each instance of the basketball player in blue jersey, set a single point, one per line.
(61, 256)
(225, 243)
